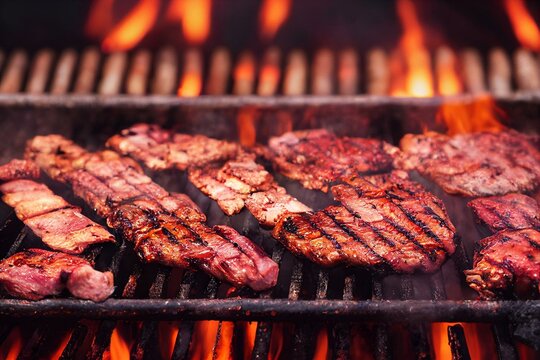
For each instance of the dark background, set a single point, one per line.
(336, 24)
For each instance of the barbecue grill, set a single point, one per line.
(88, 95)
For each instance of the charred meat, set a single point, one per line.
(506, 262)
(478, 164)
(384, 221)
(318, 158)
(34, 274)
(507, 212)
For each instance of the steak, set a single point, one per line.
(508, 261)
(164, 227)
(317, 158)
(477, 164)
(226, 173)
(507, 212)
(384, 222)
(60, 225)
(34, 274)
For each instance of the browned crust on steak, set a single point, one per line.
(19, 169)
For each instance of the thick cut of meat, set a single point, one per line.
(19, 169)
(161, 149)
(507, 261)
(478, 164)
(385, 221)
(318, 158)
(268, 206)
(507, 212)
(34, 274)
(22, 186)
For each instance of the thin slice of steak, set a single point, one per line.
(35, 274)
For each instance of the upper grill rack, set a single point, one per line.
(275, 72)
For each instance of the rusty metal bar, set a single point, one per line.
(458, 343)
(113, 74)
(473, 71)
(75, 342)
(14, 72)
(322, 73)
(295, 77)
(165, 72)
(40, 71)
(377, 73)
(219, 72)
(526, 70)
(63, 73)
(500, 73)
(137, 78)
(348, 72)
(88, 71)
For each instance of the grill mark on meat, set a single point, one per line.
(315, 226)
(358, 239)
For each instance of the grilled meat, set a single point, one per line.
(478, 164)
(34, 274)
(164, 228)
(507, 261)
(19, 169)
(507, 212)
(226, 174)
(317, 158)
(385, 221)
(268, 206)
(161, 149)
(60, 226)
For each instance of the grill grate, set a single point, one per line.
(273, 72)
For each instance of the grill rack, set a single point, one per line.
(304, 293)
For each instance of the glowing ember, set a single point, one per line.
(478, 114)
(133, 27)
(100, 19)
(418, 80)
(195, 16)
(272, 16)
(525, 28)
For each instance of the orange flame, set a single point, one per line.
(205, 335)
(479, 339)
(525, 28)
(167, 332)
(12, 346)
(250, 331)
(100, 18)
(133, 27)
(191, 82)
(122, 340)
(272, 16)
(448, 82)
(62, 345)
(462, 117)
(321, 348)
(195, 16)
(418, 80)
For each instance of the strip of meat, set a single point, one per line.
(268, 206)
(385, 221)
(225, 173)
(507, 212)
(164, 228)
(318, 158)
(507, 261)
(34, 274)
(19, 169)
(478, 164)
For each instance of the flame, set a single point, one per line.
(195, 16)
(250, 331)
(418, 80)
(122, 340)
(246, 124)
(525, 28)
(12, 346)
(61, 346)
(167, 332)
(133, 27)
(448, 82)
(100, 18)
(479, 114)
(321, 348)
(276, 341)
(191, 82)
(480, 342)
(272, 16)
(205, 335)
